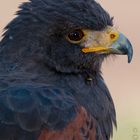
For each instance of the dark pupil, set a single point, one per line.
(76, 35)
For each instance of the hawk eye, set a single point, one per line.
(76, 35)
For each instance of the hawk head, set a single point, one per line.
(68, 36)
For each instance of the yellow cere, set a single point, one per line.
(99, 41)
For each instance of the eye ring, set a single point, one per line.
(76, 36)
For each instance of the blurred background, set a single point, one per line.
(123, 79)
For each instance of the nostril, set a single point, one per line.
(112, 36)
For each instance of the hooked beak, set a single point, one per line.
(111, 42)
(122, 46)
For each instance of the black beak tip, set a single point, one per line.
(130, 56)
(127, 49)
(129, 52)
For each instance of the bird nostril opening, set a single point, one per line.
(112, 36)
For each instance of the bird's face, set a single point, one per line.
(107, 41)
(79, 34)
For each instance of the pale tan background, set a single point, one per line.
(122, 79)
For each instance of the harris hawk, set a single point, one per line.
(51, 86)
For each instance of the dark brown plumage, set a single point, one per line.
(82, 127)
